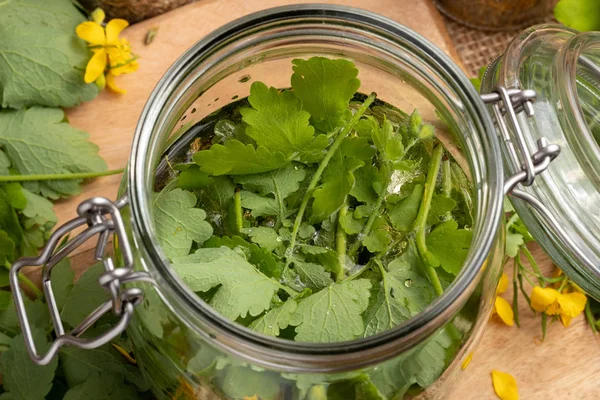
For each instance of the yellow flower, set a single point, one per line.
(111, 55)
(552, 302)
(501, 307)
(505, 385)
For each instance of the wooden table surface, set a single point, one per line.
(565, 366)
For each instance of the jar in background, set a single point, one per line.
(562, 66)
(496, 15)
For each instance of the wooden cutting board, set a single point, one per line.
(565, 366)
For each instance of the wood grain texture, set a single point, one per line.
(565, 366)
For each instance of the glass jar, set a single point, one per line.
(183, 345)
(187, 350)
(496, 15)
(562, 67)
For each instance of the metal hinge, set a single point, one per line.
(102, 218)
(506, 104)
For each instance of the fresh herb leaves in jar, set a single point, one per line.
(319, 192)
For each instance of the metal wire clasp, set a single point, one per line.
(102, 218)
(506, 104)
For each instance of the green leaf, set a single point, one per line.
(85, 297)
(388, 306)
(337, 181)
(4, 163)
(38, 209)
(260, 206)
(9, 221)
(448, 246)
(389, 144)
(325, 88)
(242, 289)
(216, 200)
(236, 158)
(57, 14)
(351, 225)
(306, 230)
(274, 186)
(358, 147)
(514, 241)
(38, 141)
(440, 205)
(62, 281)
(276, 120)
(240, 382)
(377, 241)
(404, 213)
(80, 365)
(264, 260)
(7, 251)
(23, 379)
(417, 291)
(276, 319)
(9, 322)
(583, 15)
(333, 314)
(359, 388)
(265, 237)
(14, 195)
(193, 178)
(102, 386)
(41, 64)
(423, 366)
(312, 275)
(363, 191)
(178, 223)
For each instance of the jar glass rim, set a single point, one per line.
(378, 347)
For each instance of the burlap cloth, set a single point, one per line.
(478, 48)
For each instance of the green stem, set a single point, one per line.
(421, 221)
(380, 198)
(590, 318)
(237, 205)
(317, 176)
(340, 243)
(51, 177)
(27, 282)
(446, 183)
(376, 211)
(533, 264)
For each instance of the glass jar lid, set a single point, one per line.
(550, 75)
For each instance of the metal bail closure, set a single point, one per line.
(506, 104)
(102, 218)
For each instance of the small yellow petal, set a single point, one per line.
(114, 29)
(566, 321)
(504, 311)
(98, 15)
(503, 284)
(126, 68)
(467, 361)
(505, 385)
(95, 66)
(255, 397)
(110, 82)
(553, 309)
(542, 298)
(572, 304)
(91, 32)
